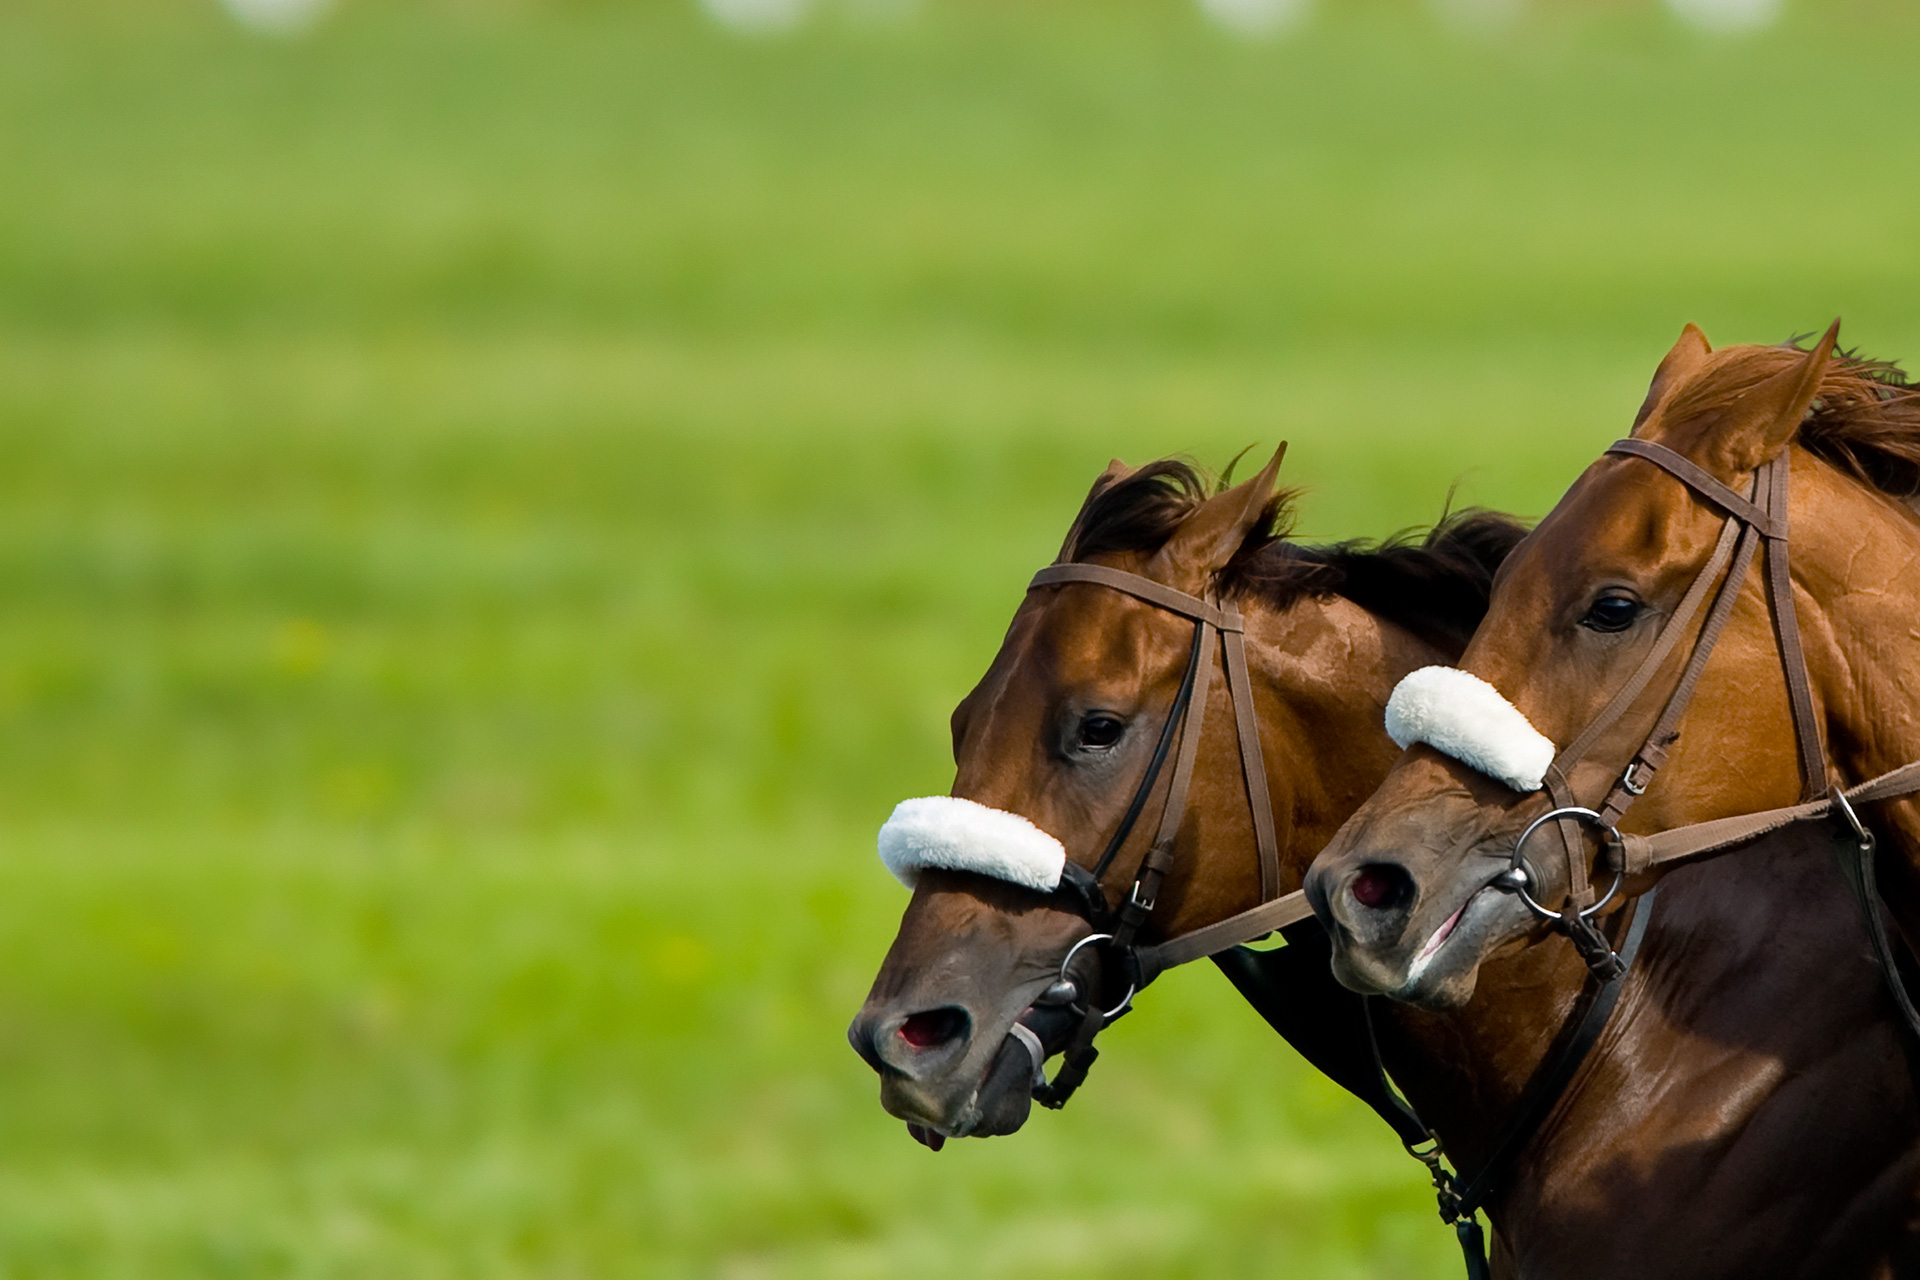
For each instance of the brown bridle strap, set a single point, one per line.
(1750, 521)
(1652, 750)
(1703, 839)
(1252, 767)
(1786, 626)
(1229, 625)
(1771, 524)
(1763, 517)
(1189, 710)
(1274, 911)
(1141, 588)
(1766, 515)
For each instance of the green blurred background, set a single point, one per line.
(497, 500)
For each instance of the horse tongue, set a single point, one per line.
(931, 1139)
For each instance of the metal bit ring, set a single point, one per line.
(1518, 883)
(1067, 963)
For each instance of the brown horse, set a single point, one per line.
(1748, 1110)
(1409, 887)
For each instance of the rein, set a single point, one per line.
(1751, 520)
(1459, 1198)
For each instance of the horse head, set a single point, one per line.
(1628, 649)
(1059, 782)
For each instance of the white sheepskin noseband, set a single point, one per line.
(959, 835)
(1462, 715)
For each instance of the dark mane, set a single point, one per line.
(1866, 420)
(1435, 586)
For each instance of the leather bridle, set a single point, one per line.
(1117, 928)
(1752, 520)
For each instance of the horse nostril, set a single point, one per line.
(934, 1027)
(1381, 886)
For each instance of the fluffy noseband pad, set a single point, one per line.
(1458, 713)
(959, 835)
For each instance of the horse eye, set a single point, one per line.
(1099, 730)
(1611, 613)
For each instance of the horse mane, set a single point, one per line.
(1865, 420)
(1436, 585)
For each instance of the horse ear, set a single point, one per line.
(1115, 471)
(1207, 539)
(1765, 418)
(1688, 357)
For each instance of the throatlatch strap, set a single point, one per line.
(1253, 767)
(1786, 627)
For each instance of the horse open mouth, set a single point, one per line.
(1440, 935)
(1438, 939)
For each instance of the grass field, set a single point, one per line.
(497, 501)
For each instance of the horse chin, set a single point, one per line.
(1006, 1095)
(999, 1104)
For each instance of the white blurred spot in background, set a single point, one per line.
(278, 17)
(879, 12)
(1480, 17)
(757, 17)
(1728, 15)
(1256, 18)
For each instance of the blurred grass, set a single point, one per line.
(497, 501)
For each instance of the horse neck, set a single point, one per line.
(1328, 666)
(1464, 1069)
(1854, 555)
(1325, 667)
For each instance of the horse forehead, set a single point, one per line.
(1089, 636)
(1627, 513)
